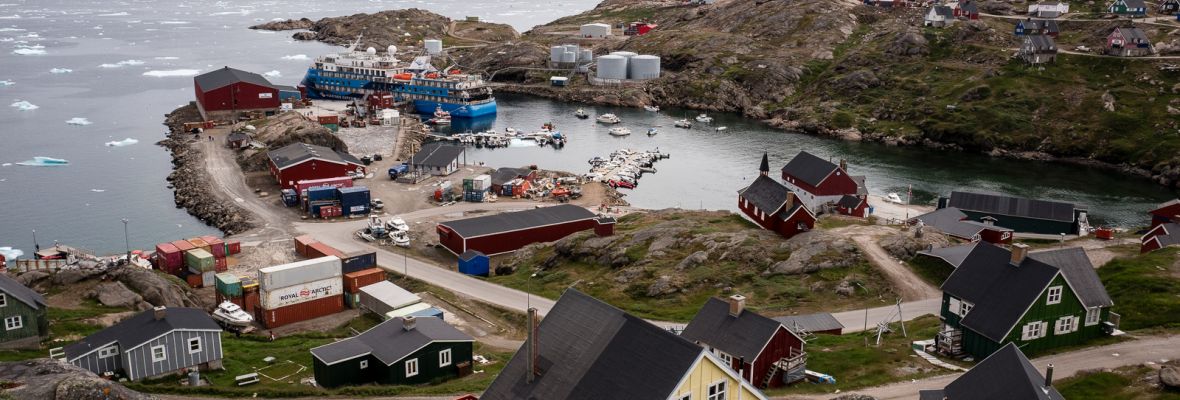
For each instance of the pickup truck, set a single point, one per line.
(398, 170)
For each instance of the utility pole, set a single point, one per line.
(36, 246)
(127, 239)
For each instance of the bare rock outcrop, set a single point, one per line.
(906, 245)
(46, 379)
(814, 251)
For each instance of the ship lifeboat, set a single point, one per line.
(455, 72)
(403, 77)
(432, 75)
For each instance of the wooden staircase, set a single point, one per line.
(792, 366)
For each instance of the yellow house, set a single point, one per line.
(707, 379)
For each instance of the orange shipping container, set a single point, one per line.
(194, 280)
(302, 311)
(354, 281)
(199, 243)
(317, 250)
(301, 243)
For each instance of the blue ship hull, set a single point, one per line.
(348, 89)
(457, 110)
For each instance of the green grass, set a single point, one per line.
(931, 269)
(1121, 383)
(1145, 289)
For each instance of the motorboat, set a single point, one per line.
(652, 131)
(376, 227)
(400, 238)
(581, 114)
(439, 121)
(721, 128)
(893, 198)
(704, 118)
(652, 108)
(230, 315)
(682, 123)
(397, 224)
(609, 119)
(620, 131)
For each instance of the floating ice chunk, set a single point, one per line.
(168, 58)
(25, 51)
(118, 14)
(6, 39)
(7, 83)
(172, 72)
(11, 253)
(122, 64)
(174, 22)
(60, 71)
(273, 74)
(239, 12)
(13, 16)
(98, 190)
(7, 164)
(79, 121)
(40, 161)
(11, 30)
(24, 105)
(296, 57)
(122, 143)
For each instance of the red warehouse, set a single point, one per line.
(856, 206)
(774, 207)
(502, 233)
(303, 162)
(223, 93)
(1165, 213)
(765, 352)
(1162, 235)
(818, 181)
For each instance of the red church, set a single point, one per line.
(774, 206)
(765, 352)
(225, 92)
(819, 182)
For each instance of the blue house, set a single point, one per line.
(473, 262)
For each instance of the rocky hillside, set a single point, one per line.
(281, 130)
(403, 28)
(46, 379)
(189, 180)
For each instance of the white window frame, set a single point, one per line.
(721, 387)
(1032, 330)
(3, 300)
(1065, 325)
(196, 341)
(14, 322)
(1054, 297)
(965, 308)
(686, 396)
(364, 364)
(108, 352)
(411, 367)
(163, 353)
(444, 358)
(725, 358)
(1093, 316)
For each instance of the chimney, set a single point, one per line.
(531, 366)
(737, 303)
(1019, 251)
(791, 198)
(1049, 377)
(158, 312)
(764, 169)
(409, 322)
(988, 220)
(844, 165)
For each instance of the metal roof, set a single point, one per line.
(590, 350)
(1079, 272)
(296, 153)
(504, 175)
(1006, 374)
(1012, 206)
(1132, 34)
(436, 155)
(142, 328)
(1000, 291)
(817, 322)
(390, 342)
(950, 221)
(849, 201)
(1041, 43)
(742, 336)
(809, 168)
(1171, 235)
(227, 76)
(392, 295)
(953, 255)
(22, 293)
(471, 254)
(519, 220)
(944, 11)
(766, 194)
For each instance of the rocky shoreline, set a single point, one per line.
(191, 183)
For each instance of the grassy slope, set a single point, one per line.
(1145, 289)
(1121, 383)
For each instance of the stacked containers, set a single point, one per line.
(317, 250)
(250, 297)
(229, 288)
(358, 261)
(354, 200)
(302, 186)
(199, 243)
(233, 247)
(202, 263)
(300, 291)
(219, 251)
(354, 281)
(168, 258)
(477, 189)
(301, 244)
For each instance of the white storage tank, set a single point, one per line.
(612, 67)
(595, 30)
(626, 54)
(643, 67)
(573, 48)
(569, 57)
(433, 46)
(555, 53)
(586, 55)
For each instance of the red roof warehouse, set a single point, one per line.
(502, 233)
(223, 93)
(301, 161)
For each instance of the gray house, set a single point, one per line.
(151, 344)
(437, 159)
(24, 314)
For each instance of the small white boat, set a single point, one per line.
(652, 108)
(439, 112)
(893, 198)
(581, 114)
(704, 118)
(682, 123)
(620, 131)
(721, 128)
(400, 238)
(609, 119)
(230, 315)
(652, 131)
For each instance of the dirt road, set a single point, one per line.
(230, 184)
(909, 285)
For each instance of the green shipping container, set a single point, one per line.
(199, 260)
(228, 284)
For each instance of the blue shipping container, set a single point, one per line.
(506, 190)
(358, 262)
(473, 262)
(354, 200)
(290, 198)
(321, 193)
(475, 195)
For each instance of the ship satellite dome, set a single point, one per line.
(371, 50)
(391, 49)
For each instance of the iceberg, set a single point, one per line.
(79, 121)
(10, 253)
(40, 161)
(60, 71)
(25, 51)
(172, 72)
(118, 14)
(121, 64)
(273, 74)
(98, 190)
(122, 143)
(167, 58)
(296, 57)
(7, 83)
(174, 22)
(13, 16)
(24, 105)
(11, 30)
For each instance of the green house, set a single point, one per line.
(1019, 214)
(1039, 301)
(24, 314)
(400, 351)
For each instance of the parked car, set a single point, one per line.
(621, 184)
(376, 204)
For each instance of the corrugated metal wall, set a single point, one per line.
(138, 362)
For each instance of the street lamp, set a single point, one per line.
(528, 291)
(36, 246)
(127, 239)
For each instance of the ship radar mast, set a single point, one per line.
(352, 48)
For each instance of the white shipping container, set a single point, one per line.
(282, 297)
(483, 182)
(281, 276)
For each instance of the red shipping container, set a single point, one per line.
(221, 298)
(250, 302)
(302, 311)
(169, 258)
(220, 264)
(194, 280)
(233, 246)
(354, 281)
(337, 182)
(301, 244)
(198, 243)
(329, 119)
(183, 245)
(1104, 233)
(317, 250)
(217, 245)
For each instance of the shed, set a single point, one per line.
(505, 232)
(383, 297)
(559, 81)
(237, 140)
(595, 30)
(303, 162)
(401, 351)
(437, 159)
(812, 323)
(225, 92)
(25, 314)
(472, 262)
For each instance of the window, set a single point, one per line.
(11, 323)
(686, 396)
(1066, 324)
(444, 358)
(1054, 295)
(364, 364)
(965, 308)
(107, 352)
(717, 391)
(194, 345)
(1033, 330)
(954, 305)
(725, 358)
(411, 367)
(1093, 315)
(158, 354)
(3, 300)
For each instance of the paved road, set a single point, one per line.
(854, 321)
(1133, 352)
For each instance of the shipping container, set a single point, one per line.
(208, 279)
(468, 184)
(229, 284)
(216, 245)
(169, 258)
(300, 272)
(233, 247)
(317, 250)
(194, 280)
(352, 300)
(220, 264)
(223, 298)
(301, 243)
(383, 297)
(330, 211)
(301, 312)
(315, 207)
(290, 197)
(198, 260)
(475, 196)
(250, 302)
(291, 295)
(328, 119)
(321, 193)
(338, 182)
(354, 281)
(183, 245)
(358, 261)
(482, 182)
(199, 243)
(354, 200)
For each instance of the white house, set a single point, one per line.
(1048, 9)
(595, 30)
(939, 16)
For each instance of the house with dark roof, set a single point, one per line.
(966, 9)
(1166, 212)
(151, 344)
(818, 323)
(773, 206)
(1128, 42)
(437, 159)
(1020, 214)
(1006, 374)
(585, 349)
(304, 162)
(817, 181)
(1169, 6)
(1038, 49)
(855, 206)
(226, 92)
(939, 16)
(1039, 301)
(509, 231)
(400, 351)
(1037, 27)
(1131, 8)
(1160, 236)
(25, 315)
(508, 175)
(954, 222)
(763, 350)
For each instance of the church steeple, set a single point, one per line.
(764, 169)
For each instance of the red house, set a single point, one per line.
(303, 162)
(818, 181)
(1165, 213)
(856, 206)
(505, 232)
(765, 352)
(223, 93)
(774, 207)
(966, 9)
(1162, 235)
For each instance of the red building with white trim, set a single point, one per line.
(1165, 213)
(303, 162)
(226, 92)
(818, 181)
(505, 232)
(773, 206)
(1160, 236)
(765, 352)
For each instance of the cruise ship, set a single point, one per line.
(357, 74)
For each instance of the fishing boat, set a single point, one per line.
(232, 316)
(609, 119)
(721, 128)
(893, 198)
(682, 123)
(652, 108)
(581, 114)
(652, 131)
(704, 118)
(620, 131)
